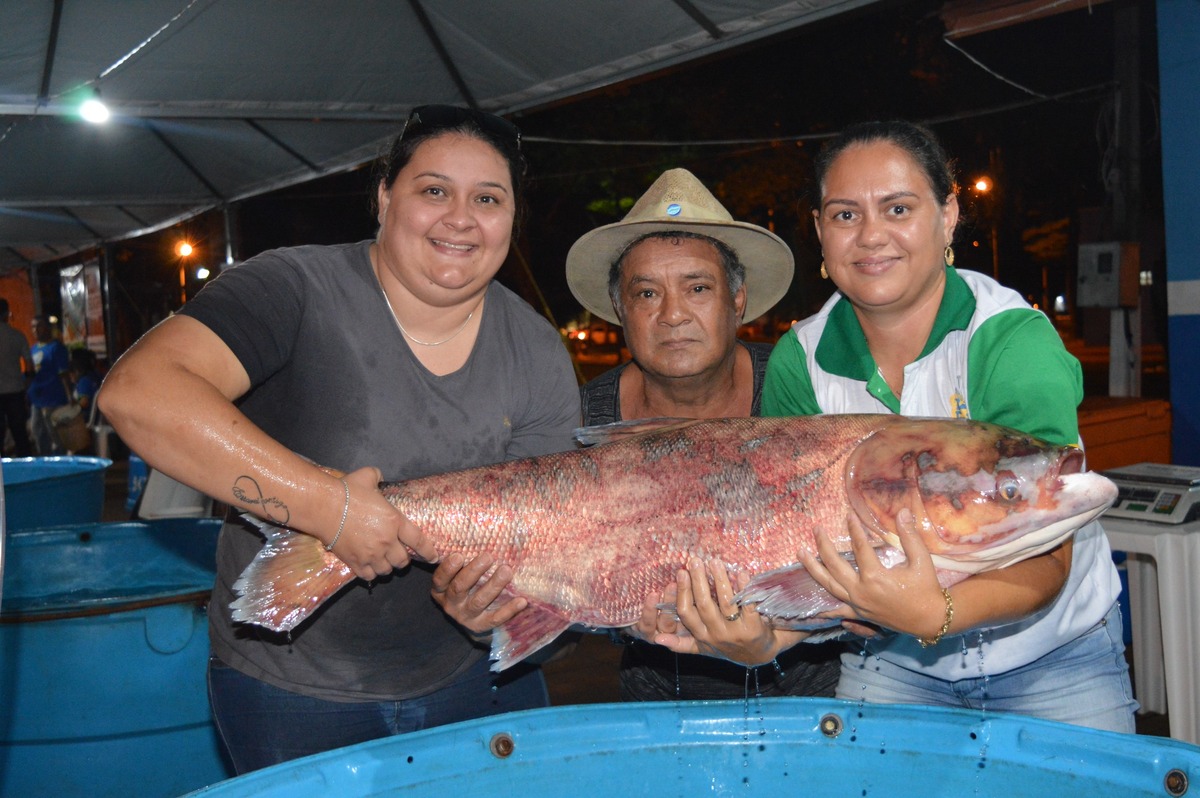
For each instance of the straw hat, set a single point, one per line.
(678, 201)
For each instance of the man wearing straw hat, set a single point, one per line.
(680, 276)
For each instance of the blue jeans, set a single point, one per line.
(262, 725)
(1084, 682)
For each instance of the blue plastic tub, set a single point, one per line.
(103, 652)
(783, 746)
(53, 491)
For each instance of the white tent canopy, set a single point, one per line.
(214, 101)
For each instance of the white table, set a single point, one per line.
(1164, 605)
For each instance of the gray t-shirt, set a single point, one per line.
(13, 347)
(334, 381)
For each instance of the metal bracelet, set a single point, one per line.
(945, 626)
(345, 512)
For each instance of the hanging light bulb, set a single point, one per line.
(94, 110)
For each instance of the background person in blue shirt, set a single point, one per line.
(49, 388)
(85, 378)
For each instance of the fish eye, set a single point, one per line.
(1008, 487)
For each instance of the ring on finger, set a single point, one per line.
(733, 616)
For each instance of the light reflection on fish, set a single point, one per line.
(592, 533)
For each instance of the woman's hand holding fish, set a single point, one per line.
(714, 625)
(466, 592)
(373, 537)
(654, 621)
(906, 597)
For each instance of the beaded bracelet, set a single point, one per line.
(345, 512)
(945, 626)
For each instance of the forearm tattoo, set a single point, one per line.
(247, 490)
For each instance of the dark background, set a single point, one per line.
(748, 123)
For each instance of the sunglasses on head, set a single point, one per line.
(446, 117)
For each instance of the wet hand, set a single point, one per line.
(654, 620)
(375, 538)
(904, 598)
(466, 591)
(714, 625)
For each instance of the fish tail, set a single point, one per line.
(287, 580)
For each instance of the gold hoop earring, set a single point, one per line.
(949, 255)
(824, 274)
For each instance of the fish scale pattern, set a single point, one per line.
(593, 533)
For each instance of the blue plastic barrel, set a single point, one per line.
(52, 491)
(103, 654)
(139, 472)
(771, 747)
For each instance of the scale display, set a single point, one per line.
(1169, 494)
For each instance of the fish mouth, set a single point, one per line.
(1071, 461)
(1080, 498)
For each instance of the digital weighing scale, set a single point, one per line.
(1168, 494)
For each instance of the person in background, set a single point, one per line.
(15, 362)
(85, 379)
(393, 358)
(908, 333)
(680, 276)
(50, 387)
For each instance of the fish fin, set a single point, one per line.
(831, 630)
(287, 580)
(787, 593)
(790, 596)
(530, 629)
(619, 430)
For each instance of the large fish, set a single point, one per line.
(592, 533)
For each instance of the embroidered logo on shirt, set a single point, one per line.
(958, 406)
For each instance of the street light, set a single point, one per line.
(184, 249)
(984, 187)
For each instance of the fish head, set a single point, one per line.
(983, 496)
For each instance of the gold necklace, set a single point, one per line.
(410, 336)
